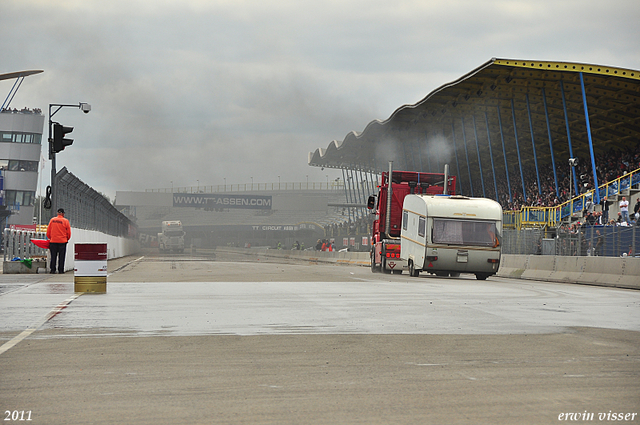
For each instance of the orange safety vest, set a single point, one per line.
(59, 230)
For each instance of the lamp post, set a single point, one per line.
(85, 107)
(572, 163)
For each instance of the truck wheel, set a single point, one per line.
(482, 276)
(374, 268)
(384, 266)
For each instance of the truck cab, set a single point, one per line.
(172, 237)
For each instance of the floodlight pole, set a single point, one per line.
(85, 107)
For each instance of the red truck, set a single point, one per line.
(385, 239)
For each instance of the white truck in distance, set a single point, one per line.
(172, 236)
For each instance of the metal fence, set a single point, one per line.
(87, 209)
(17, 243)
(609, 241)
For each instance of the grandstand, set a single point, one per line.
(508, 128)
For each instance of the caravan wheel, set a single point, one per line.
(412, 270)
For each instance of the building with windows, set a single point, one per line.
(20, 149)
(20, 152)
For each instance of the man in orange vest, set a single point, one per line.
(58, 233)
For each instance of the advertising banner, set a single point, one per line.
(211, 201)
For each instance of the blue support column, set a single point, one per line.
(455, 152)
(593, 158)
(515, 132)
(466, 152)
(566, 121)
(533, 144)
(493, 168)
(475, 132)
(504, 153)
(553, 160)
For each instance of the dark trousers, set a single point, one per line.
(58, 252)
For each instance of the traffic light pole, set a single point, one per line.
(52, 195)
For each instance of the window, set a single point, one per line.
(15, 165)
(19, 197)
(421, 226)
(6, 136)
(464, 232)
(405, 219)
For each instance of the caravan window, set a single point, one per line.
(421, 226)
(464, 232)
(405, 219)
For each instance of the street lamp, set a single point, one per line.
(51, 192)
(572, 163)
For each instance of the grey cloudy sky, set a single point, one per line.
(207, 90)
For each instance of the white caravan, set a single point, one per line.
(449, 235)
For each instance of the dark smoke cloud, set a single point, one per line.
(209, 90)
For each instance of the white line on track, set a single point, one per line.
(24, 334)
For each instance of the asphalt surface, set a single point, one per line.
(225, 338)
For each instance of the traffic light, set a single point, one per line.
(59, 142)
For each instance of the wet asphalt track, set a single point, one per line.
(237, 339)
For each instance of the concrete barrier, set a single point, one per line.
(620, 272)
(512, 265)
(17, 267)
(623, 272)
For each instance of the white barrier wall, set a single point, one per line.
(116, 246)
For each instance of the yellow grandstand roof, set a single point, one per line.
(501, 100)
